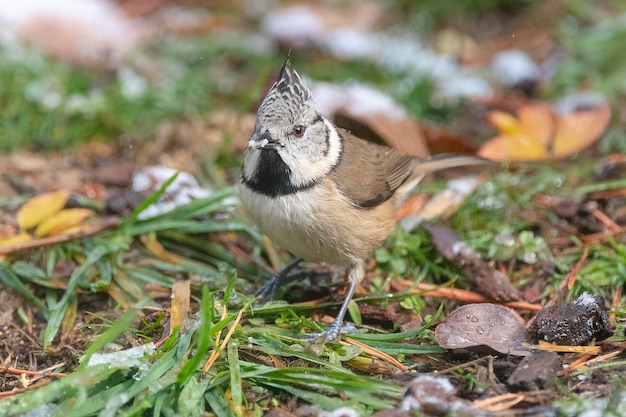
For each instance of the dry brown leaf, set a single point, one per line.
(491, 325)
(399, 132)
(38, 208)
(370, 115)
(181, 293)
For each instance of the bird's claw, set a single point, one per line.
(332, 332)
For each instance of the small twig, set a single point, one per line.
(616, 301)
(215, 353)
(488, 358)
(499, 402)
(40, 374)
(606, 220)
(430, 290)
(586, 360)
(602, 236)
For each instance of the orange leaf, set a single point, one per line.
(520, 147)
(35, 210)
(506, 123)
(62, 221)
(537, 121)
(579, 129)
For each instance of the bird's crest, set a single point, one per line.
(288, 97)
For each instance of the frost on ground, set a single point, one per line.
(124, 358)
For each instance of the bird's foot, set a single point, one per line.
(332, 332)
(268, 290)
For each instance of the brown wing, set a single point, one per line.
(369, 174)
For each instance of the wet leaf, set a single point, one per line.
(35, 210)
(62, 221)
(491, 325)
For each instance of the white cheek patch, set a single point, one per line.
(304, 172)
(251, 162)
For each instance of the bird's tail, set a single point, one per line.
(445, 161)
(438, 163)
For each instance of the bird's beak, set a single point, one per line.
(263, 141)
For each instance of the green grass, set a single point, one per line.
(265, 363)
(171, 381)
(49, 105)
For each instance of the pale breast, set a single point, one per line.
(319, 224)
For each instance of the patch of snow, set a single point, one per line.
(44, 410)
(340, 412)
(87, 31)
(464, 185)
(586, 300)
(183, 190)
(514, 67)
(132, 85)
(123, 358)
(360, 99)
(427, 389)
(578, 102)
(298, 24)
(351, 43)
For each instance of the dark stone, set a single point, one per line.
(574, 324)
(536, 371)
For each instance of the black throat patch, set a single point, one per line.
(273, 177)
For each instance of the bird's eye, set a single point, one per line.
(298, 131)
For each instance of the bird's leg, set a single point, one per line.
(268, 290)
(357, 273)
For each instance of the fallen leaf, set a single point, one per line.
(371, 115)
(38, 208)
(505, 122)
(180, 304)
(577, 130)
(62, 221)
(491, 325)
(537, 121)
(399, 132)
(520, 147)
(538, 134)
(18, 238)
